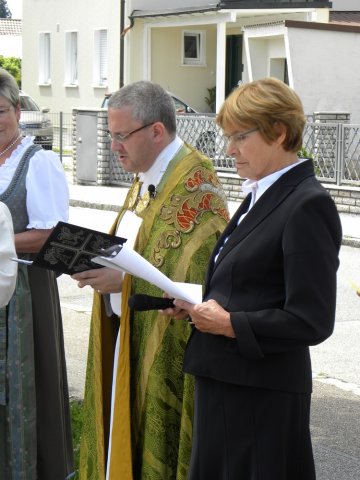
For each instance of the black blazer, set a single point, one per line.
(276, 275)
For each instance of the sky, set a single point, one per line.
(15, 6)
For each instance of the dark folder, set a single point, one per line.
(70, 248)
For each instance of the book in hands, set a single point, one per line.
(70, 248)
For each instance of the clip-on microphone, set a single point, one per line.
(152, 191)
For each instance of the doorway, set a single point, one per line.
(234, 66)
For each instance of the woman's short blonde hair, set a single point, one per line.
(265, 104)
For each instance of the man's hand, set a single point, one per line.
(103, 280)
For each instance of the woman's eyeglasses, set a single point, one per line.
(240, 136)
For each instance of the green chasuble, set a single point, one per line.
(152, 428)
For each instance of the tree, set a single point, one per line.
(13, 66)
(4, 9)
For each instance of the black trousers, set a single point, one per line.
(243, 433)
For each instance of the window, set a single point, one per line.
(44, 59)
(71, 58)
(193, 48)
(100, 58)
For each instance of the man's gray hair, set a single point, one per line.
(8, 87)
(150, 103)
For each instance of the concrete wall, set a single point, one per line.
(324, 76)
(347, 198)
(346, 5)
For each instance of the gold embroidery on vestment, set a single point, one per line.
(142, 202)
(185, 211)
(168, 239)
(134, 194)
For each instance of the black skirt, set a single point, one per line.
(243, 433)
(54, 442)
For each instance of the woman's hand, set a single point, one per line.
(176, 312)
(103, 280)
(32, 240)
(207, 317)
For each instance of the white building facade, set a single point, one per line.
(75, 52)
(71, 52)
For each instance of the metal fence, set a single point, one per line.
(60, 137)
(334, 147)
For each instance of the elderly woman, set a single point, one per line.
(34, 412)
(270, 293)
(8, 268)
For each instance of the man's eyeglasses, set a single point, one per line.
(121, 138)
(4, 110)
(240, 136)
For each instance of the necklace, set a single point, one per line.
(10, 145)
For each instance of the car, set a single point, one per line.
(181, 106)
(35, 122)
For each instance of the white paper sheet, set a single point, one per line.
(131, 262)
(128, 228)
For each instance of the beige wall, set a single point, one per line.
(164, 55)
(163, 62)
(188, 82)
(135, 59)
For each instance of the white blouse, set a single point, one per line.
(47, 198)
(8, 268)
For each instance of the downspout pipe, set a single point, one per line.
(122, 41)
(123, 32)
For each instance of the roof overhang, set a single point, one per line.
(210, 14)
(278, 28)
(333, 27)
(273, 4)
(273, 29)
(174, 12)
